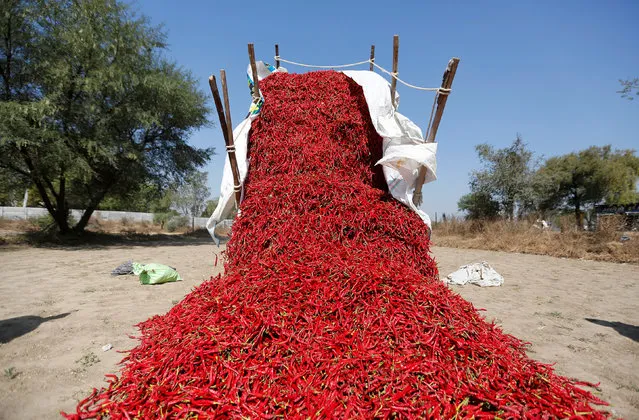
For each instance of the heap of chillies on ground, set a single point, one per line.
(331, 304)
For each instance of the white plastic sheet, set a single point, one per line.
(481, 274)
(226, 203)
(404, 148)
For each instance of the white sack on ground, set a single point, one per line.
(404, 148)
(480, 273)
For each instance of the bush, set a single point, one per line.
(45, 223)
(609, 227)
(177, 222)
(519, 236)
(162, 218)
(94, 222)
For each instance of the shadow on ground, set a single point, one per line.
(16, 327)
(98, 240)
(627, 330)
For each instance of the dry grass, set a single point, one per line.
(37, 231)
(522, 236)
(11, 225)
(125, 226)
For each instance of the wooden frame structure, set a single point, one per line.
(440, 99)
(227, 130)
(395, 67)
(224, 112)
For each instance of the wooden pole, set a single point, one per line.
(277, 54)
(447, 83)
(256, 84)
(219, 107)
(395, 67)
(227, 107)
(230, 146)
(372, 58)
(225, 131)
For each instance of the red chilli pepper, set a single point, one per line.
(330, 305)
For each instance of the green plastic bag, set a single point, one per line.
(155, 273)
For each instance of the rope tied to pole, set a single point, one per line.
(359, 63)
(439, 90)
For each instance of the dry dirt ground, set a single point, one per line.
(58, 307)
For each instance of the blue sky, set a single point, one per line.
(548, 70)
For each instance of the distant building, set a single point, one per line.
(631, 211)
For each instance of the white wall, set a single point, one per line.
(34, 212)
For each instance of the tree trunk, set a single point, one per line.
(578, 214)
(61, 217)
(62, 207)
(95, 201)
(84, 220)
(59, 213)
(510, 211)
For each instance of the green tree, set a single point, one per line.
(478, 205)
(622, 173)
(506, 177)
(581, 180)
(210, 207)
(146, 197)
(628, 87)
(12, 188)
(89, 106)
(190, 196)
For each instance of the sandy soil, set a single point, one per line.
(582, 315)
(58, 307)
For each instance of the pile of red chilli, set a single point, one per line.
(330, 305)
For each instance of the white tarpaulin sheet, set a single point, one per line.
(404, 148)
(480, 273)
